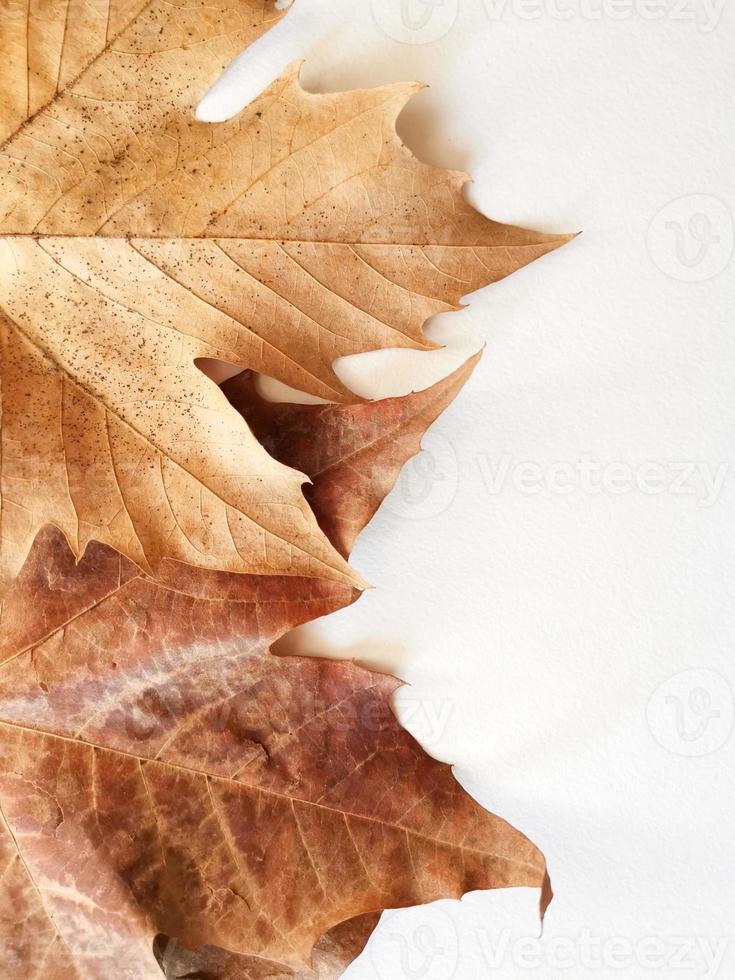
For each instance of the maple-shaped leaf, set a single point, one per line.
(162, 774)
(135, 239)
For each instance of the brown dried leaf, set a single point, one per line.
(354, 462)
(162, 774)
(135, 237)
(332, 955)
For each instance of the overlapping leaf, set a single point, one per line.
(163, 775)
(332, 955)
(134, 239)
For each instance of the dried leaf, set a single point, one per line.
(354, 461)
(332, 955)
(134, 239)
(162, 774)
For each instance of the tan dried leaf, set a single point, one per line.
(134, 239)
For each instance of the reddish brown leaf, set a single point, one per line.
(354, 463)
(162, 774)
(332, 954)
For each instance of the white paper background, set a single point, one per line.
(572, 652)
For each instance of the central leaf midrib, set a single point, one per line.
(274, 793)
(297, 240)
